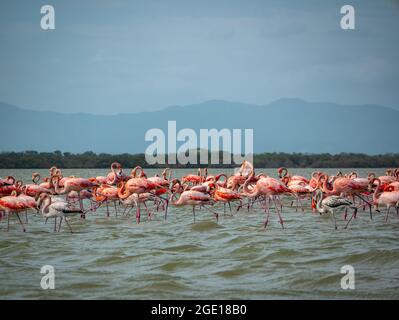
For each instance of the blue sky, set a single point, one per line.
(126, 56)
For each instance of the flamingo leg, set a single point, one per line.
(335, 220)
(106, 202)
(20, 221)
(300, 203)
(116, 210)
(267, 220)
(368, 204)
(215, 213)
(166, 209)
(138, 212)
(386, 217)
(59, 226)
(55, 224)
(350, 219)
(69, 226)
(194, 214)
(80, 201)
(279, 215)
(148, 211)
(8, 221)
(128, 212)
(239, 206)
(26, 216)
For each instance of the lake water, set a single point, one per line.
(114, 258)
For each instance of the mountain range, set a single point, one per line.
(286, 125)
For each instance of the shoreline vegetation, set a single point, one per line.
(91, 160)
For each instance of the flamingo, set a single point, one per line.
(385, 180)
(192, 198)
(163, 181)
(138, 186)
(226, 195)
(73, 184)
(283, 173)
(10, 180)
(330, 203)
(13, 205)
(46, 181)
(394, 186)
(194, 179)
(33, 190)
(267, 187)
(56, 208)
(389, 199)
(134, 200)
(106, 193)
(6, 190)
(344, 186)
(114, 177)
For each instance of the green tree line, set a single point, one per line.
(34, 159)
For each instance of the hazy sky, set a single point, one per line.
(128, 56)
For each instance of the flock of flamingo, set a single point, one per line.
(58, 197)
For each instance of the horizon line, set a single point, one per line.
(196, 104)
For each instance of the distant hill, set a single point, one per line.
(286, 125)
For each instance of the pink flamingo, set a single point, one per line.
(13, 205)
(385, 180)
(10, 180)
(394, 186)
(163, 182)
(136, 185)
(389, 199)
(114, 177)
(106, 193)
(72, 184)
(34, 190)
(7, 189)
(269, 188)
(46, 181)
(194, 179)
(344, 186)
(283, 173)
(192, 198)
(134, 200)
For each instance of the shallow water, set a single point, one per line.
(114, 258)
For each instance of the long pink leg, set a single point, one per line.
(267, 214)
(138, 212)
(279, 215)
